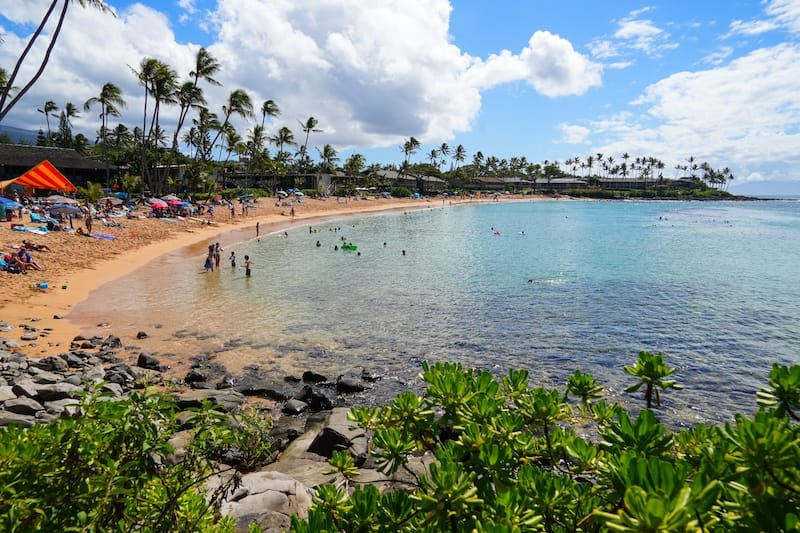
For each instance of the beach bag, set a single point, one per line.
(13, 269)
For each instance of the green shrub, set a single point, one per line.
(108, 470)
(504, 461)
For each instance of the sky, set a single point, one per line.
(672, 79)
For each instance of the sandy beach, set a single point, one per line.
(75, 265)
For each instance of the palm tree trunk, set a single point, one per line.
(5, 109)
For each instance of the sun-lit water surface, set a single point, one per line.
(545, 286)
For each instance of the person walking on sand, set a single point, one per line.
(258, 228)
(247, 264)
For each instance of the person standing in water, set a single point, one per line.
(247, 265)
(233, 259)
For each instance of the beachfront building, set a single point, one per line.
(569, 183)
(16, 159)
(415, 182)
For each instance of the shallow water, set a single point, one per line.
(546, 286)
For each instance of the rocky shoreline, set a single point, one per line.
(309, 414)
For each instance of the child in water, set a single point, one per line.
(247, 265)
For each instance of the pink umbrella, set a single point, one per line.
(155, 203)
(175, 201)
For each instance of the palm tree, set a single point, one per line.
(433, 156)
(444, 150)
(47, 110)
(329, 157)
(110, 99)
(8, 86)
(309, 126)
(477, 164)
(284, 137)
(269, 109)
(239, 103)
(460, 155)
(190, 95)
(71, 111)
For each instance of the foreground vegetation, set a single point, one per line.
(508, 457)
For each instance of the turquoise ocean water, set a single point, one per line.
(546, 286)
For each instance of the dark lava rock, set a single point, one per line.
(194, 375)
(148, 361)
(350, 384)
(313, 377)
(294, 407)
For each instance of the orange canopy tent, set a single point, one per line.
(42, 176)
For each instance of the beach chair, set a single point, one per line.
(38, 219)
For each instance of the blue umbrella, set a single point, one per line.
(8, 203)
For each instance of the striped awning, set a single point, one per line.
(43, 176)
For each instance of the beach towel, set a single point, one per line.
(42, 230)
(103, 236)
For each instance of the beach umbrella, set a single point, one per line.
(169, 197)
(175, 202)
(64, 209)
(8, 203)
(156, 203)
(60, 199)
(114, 200)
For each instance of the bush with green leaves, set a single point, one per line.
(505, 459)
(108, 469)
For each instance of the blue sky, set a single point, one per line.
(546, 80)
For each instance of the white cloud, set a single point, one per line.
(371, 73)
(752, 27)
(718, 56)
(549, 64)
(573, 134)
(786, 13)
(740, 115)
(556, 69)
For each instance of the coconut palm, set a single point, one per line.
(433, 156)
(239, 103)
(47, 110)
(190, 95)
(110, 99)
(284, 137)
(329, 157)
(309, 126)
(444, 151)
(268, 109)
(71, 111)
(460, 155)
(8, 86)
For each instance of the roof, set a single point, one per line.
(394, 175)
(25, 156)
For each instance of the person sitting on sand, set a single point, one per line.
(35, 246)
(26, 262)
